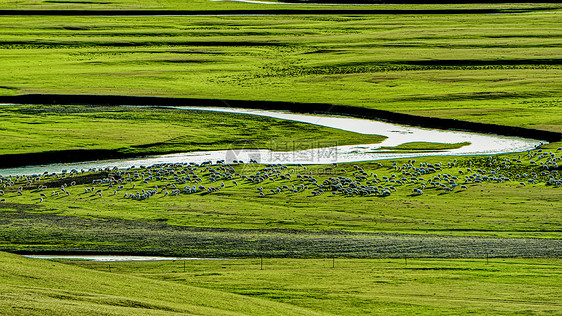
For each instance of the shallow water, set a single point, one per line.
(115, 258)
(289, 153)
(308, 4)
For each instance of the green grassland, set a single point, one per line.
(127, 5)
(375, 287)
(132, 130)
(29, 231)
(237, 221)
(33, 287)
(501, 69)
(207, 5)
(424, 146)
(281, 287)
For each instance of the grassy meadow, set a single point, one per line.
(141, 131)
(371, 286)
(280, 287)
(292, 218)
(40, 287)
(205, 5)
(433, 235)
(501, 69)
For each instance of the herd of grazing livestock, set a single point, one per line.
(381, 179)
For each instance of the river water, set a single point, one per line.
(116, 258)
(289, 153)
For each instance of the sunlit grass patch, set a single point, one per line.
(380, 286)
(425, 146)
(470, 67)
(42, 287)
(131, 130)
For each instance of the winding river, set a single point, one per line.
(480, 144)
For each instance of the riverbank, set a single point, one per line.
(318, 108)
(290, 138)
(90, 133)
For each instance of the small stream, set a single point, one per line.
(116, 258)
